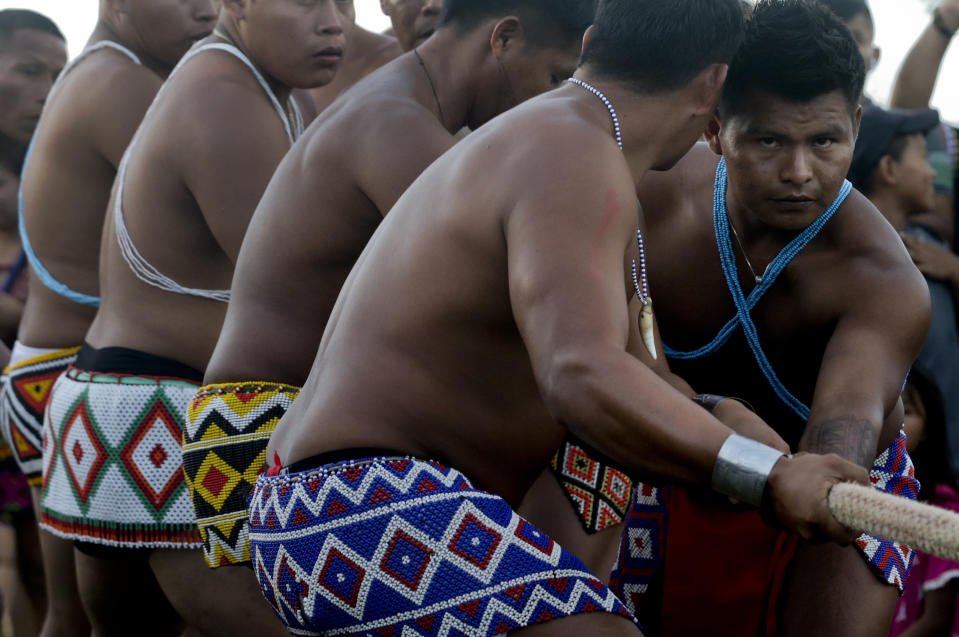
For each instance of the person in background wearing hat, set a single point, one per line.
(891, 168)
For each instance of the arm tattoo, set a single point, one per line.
(850, 437)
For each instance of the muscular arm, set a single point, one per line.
(830, 589)
(917, 76)
(875, 341)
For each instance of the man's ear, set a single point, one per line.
(708, 86)
(711, 134)
(876, 56)
(587, 37)
(856, 121)
(507, 35)
(886, 170)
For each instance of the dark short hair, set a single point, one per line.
(12, 20)
(797, 50)
(546, 22)
(849, 9)
(658, 46)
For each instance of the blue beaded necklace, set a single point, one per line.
(744, 305)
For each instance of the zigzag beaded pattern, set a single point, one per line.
(224, 451)
(643, 546)
(24, 393)
(893, 472)
(113, 472)
(598, 492)
(405, 547)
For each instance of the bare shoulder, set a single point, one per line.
(379, 49)
(691, 178)
(107, 80)
(875, 263)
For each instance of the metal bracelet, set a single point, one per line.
(709, 402)
(742, 468)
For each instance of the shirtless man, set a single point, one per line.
(828, 347)
(326, 200)
(486, 316)
(189, 181)
(84, 131)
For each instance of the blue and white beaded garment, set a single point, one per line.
(399, 546)
(744, 305)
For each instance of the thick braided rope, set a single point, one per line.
(921, 526)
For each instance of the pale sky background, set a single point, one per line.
(898, 25)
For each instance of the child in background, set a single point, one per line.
(928, 603)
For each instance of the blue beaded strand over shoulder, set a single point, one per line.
(744, 305)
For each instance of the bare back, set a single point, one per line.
(86, 126)
(196, 170)
(422, 353)
(324, 203)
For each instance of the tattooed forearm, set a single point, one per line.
(853, 438)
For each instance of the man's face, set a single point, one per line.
(30, 61)
(521, 74)
(915, 177)
(786, 160)
(413, 20)
(863, 33)
(299, 43)
(166, 29)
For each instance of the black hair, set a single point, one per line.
(12, 20)
(931, 457)
(546, 22)
(797, 50)
(658, 46)
(849, 9)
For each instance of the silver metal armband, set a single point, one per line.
(742, 467)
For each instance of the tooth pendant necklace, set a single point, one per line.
(640, 282)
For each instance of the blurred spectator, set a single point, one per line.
(13, 261)
(928, 603)
(891, 167)
(32, 53)
(939, 216)
(913, 89)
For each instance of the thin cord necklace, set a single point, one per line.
(429, 79)
(759, 277)
(639, 272)
(290, 113)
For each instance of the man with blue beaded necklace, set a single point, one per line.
(487, 317)
(827, 312)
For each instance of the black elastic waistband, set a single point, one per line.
(341, 455)
(123, 360)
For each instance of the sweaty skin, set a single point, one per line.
(331, 192)
(86, 126)
(198, 167)
(840, 326)
(486, 366)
